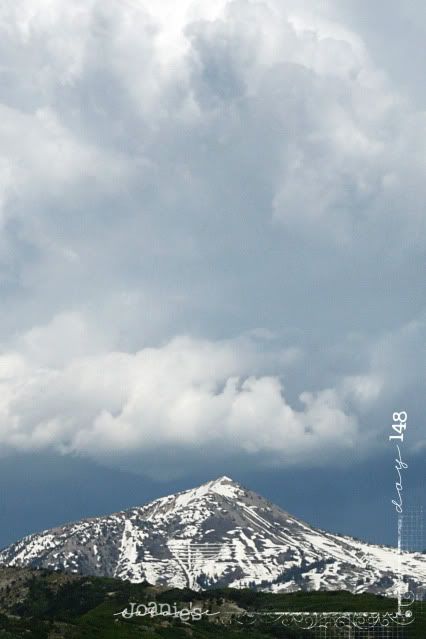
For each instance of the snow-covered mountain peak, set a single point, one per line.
(223, 487)
(217, 534)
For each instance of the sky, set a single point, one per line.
(212, 243)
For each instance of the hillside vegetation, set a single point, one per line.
(50, 605)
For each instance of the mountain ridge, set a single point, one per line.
(217, 534)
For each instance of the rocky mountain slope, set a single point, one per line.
(218, 534)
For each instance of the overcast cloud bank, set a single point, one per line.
(211, 232)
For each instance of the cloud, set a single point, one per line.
(207, 170)
(108, 85)
(186, 396)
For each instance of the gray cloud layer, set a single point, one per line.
(211, 230)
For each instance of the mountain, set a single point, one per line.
(218, 534)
